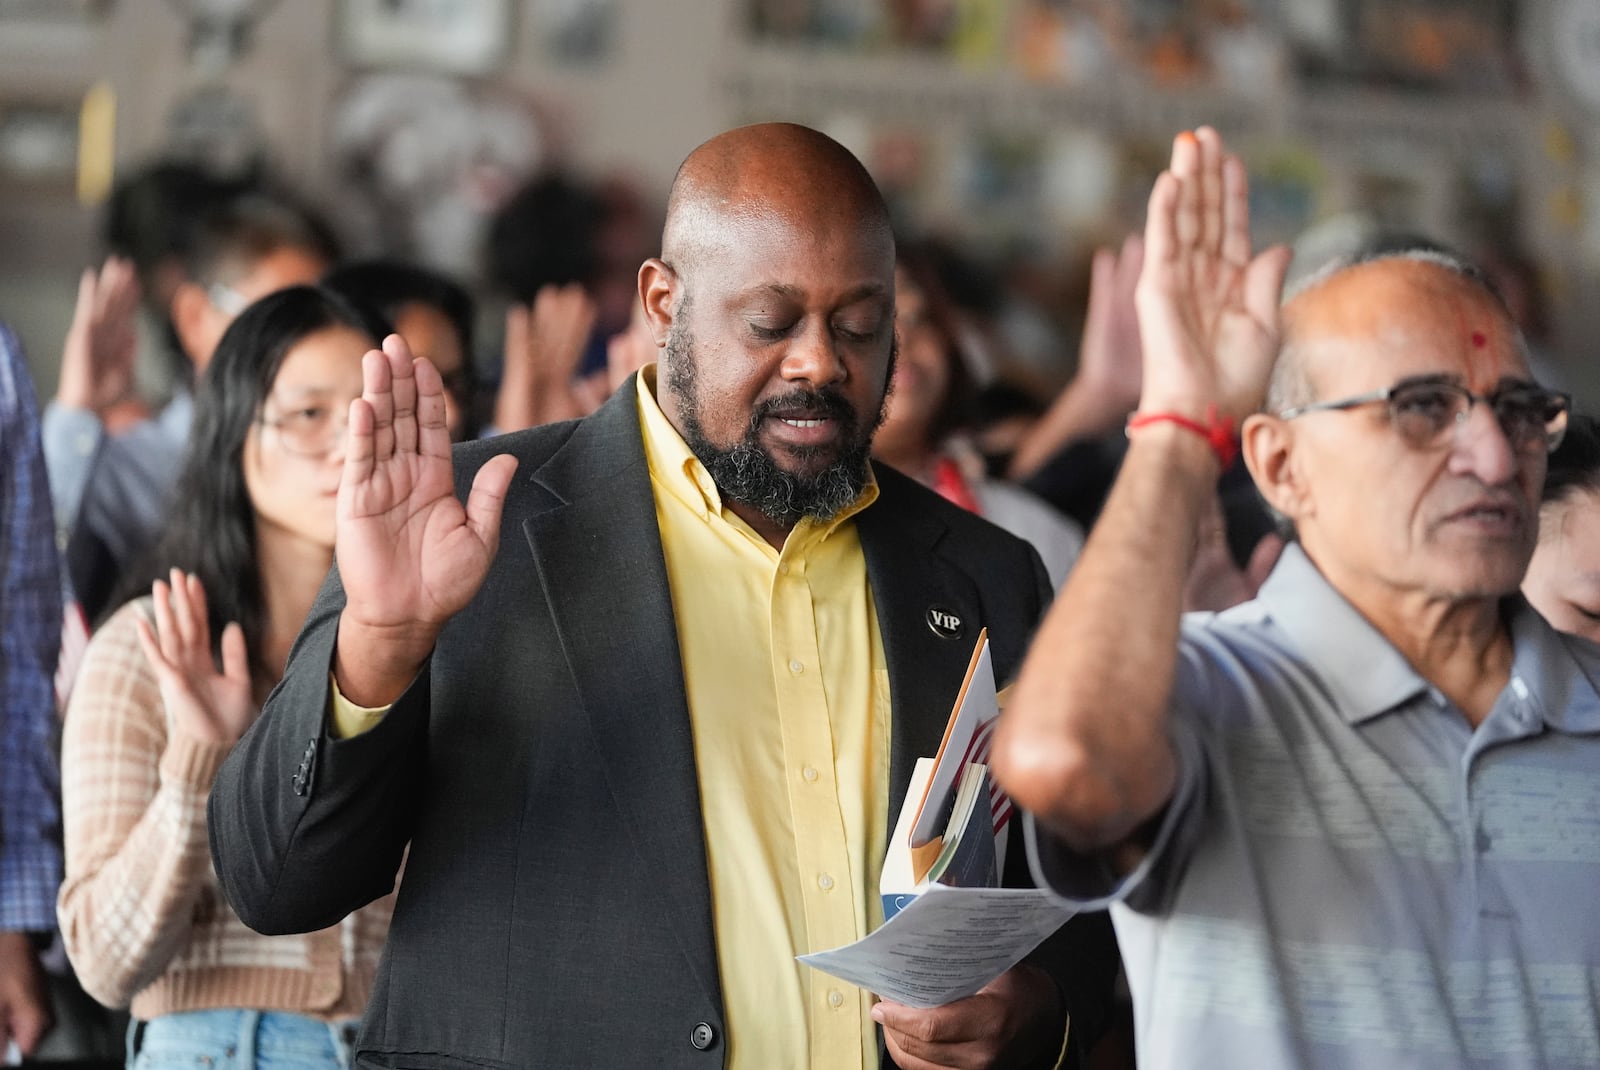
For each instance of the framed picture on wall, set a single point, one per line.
(470, 37)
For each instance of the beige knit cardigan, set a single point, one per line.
(142, 916)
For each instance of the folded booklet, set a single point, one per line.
(949, 929)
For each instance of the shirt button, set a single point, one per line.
(796, 667)
(835, 998)
(783, 569)
(825, 882)
(1518, 687)
(810, 773)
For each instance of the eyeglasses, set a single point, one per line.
(310, 430)
(226, 300)
(1427, 411)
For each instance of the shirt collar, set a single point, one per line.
(1369, 676)
(674, 465)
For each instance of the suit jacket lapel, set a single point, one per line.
(925, 668)
(598, 554)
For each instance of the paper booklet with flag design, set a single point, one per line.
(949, 929)
(953, 826)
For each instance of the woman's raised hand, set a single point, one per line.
(206, 705)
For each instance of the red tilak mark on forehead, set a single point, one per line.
(1479, 339)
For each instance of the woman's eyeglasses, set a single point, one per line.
(310, 431)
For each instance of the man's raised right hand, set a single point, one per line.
(410, 555)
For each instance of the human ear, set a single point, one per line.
(1267, 445)
(658, 289)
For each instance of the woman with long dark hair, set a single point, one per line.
(151, 717)
(931, 404)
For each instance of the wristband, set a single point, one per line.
(1218, 430)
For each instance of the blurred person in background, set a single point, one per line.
(1563, 580)
(566, 252)
(243, 250)
(434, 314)
(930, 403)
(30, 624)
(240, 560)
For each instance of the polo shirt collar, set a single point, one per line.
(1367, 675)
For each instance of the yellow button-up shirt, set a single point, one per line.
(789, 700)
(788, 697)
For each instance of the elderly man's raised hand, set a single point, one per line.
(410, 554)
(1208, 310)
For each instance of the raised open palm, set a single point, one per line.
(1208, 310)
(206, 705)
(410, 554)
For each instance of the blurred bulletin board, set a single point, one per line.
(1031, 125)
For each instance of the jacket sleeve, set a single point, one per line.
(305, 827)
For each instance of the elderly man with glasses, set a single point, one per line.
(1355, 822)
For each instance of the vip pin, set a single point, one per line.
(944, 624)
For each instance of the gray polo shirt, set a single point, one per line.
(1349, 875)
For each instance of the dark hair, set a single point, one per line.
(154, 213)
(232, 237)
(1575, 465)
(386, 286)
(958, 409)
(210, 529)
(547, 234)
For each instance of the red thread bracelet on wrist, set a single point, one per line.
(1218, 431)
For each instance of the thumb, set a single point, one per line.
(1263, 283)
(488, 497)
(235, 659)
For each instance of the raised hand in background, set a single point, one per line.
(545, 341)
(97, 359)
(1105, 388)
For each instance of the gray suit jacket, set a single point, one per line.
(555, 909)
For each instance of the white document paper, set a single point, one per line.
(946, 944)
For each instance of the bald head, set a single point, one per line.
(778, 172)
(1406, 300)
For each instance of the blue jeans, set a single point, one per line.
(239, 1040)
